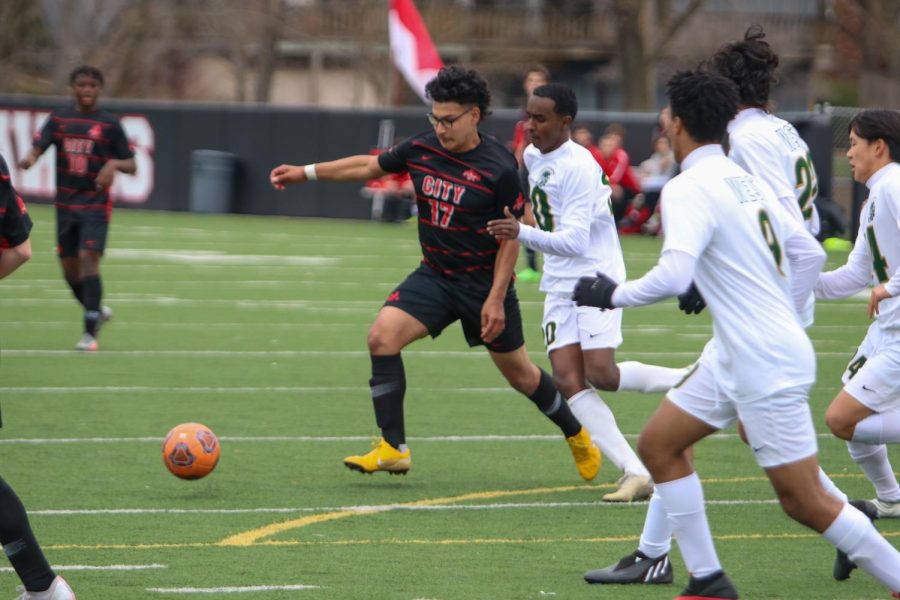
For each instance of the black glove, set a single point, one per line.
(595, 291)
(691, 301)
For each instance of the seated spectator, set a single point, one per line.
(654, 173)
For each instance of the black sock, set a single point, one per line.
(551, 403)
(388, 386)
(77, 290)
(93, 291)
(19, 544)
(531, 258)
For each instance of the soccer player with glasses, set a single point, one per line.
(462, 180)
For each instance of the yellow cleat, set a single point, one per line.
(632, 488)
(383, 458)
(528, 275)
(587, 456)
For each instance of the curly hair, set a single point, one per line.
(750, 63)
(454, 83)
(704, 101)
(565, 102)
(88, 71)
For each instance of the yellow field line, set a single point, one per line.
(253, 536)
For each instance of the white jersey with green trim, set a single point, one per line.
(733, 225)
(876, 254)
(576, 229)
(770, 148)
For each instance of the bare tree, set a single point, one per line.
(644, 29)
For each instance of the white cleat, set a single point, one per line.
(87, 343)
(887, 509)
(58, 590)
(632, 488)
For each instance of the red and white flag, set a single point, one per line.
(411, 46)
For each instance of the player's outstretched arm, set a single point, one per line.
(13, 258)
(351, 168)
(31, 158)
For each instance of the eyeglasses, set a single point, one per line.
(446, 122)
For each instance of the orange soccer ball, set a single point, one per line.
(190, 451)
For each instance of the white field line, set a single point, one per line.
(329, 439)
(269, 354)
(244, 589)
(365, 509)
(97, 568)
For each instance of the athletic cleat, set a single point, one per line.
(87, 343)
(887, 509)
(637, 567)
(58, 590)
(843, 566)
(528, 275)
(106, 314)
(632, 488)
(716, 587)
(586, 454)
(383, 458)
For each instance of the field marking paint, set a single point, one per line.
(267, 354)
(243, 589)
(329, 439)
(97, 568)
(393, 507)
(440, 542)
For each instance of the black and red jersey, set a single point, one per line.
(457, 194)
(84, 142)
(15, 224)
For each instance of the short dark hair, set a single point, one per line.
(750, 63)
(704, 101)
(538, 68)
(879, 124)
(565, 102)
(454, 83)
(88, 71)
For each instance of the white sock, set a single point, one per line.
(683, 499)
(600, 422)
(638, 377)
(656, 538)
(880, 428)
(830, 486)
(853, 533)
(873, 460)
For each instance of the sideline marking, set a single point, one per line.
(234, 590)
(340, 439)
(97, 568)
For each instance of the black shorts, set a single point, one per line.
(437, 302)
(78, 231)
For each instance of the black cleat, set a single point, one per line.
(637, 567)
(715, 587)
(843, 566)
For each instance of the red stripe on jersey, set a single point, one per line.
(449, 252)
(80, 120)
(417, 167)
(4, 177)
(83, 206)
(67, 190)
(452, 158)
(425, 221)
(469, 269)
(82, 136)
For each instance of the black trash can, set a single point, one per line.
(213, 181)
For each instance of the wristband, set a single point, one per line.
(310, 171)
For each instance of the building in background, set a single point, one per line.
(615, 53)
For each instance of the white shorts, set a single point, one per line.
(873, 376)
(779, 426)
(566, 324)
